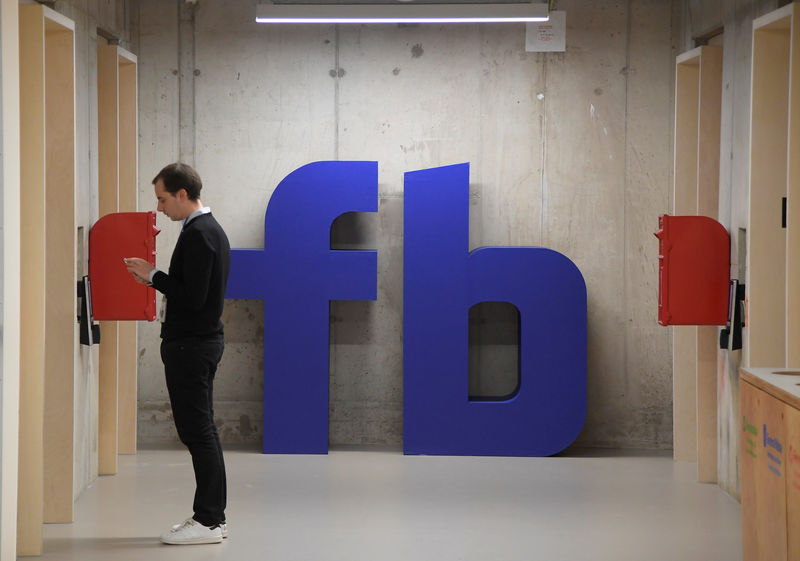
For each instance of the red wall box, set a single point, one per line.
(693, 271)
(115, 294)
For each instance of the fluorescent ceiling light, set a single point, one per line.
(401, 13)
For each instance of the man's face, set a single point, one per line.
(169, 203)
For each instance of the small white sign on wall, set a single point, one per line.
(547, 36)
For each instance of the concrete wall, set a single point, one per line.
(571, 151)
(735, 17)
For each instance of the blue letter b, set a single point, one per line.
(442, 280)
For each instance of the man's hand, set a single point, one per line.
(139, 268)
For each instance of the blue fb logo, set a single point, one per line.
(297, 274)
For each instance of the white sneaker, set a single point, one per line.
(223, 528)
(192, 532)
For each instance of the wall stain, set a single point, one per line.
(417, 51)
(245, 428)
(396, 71)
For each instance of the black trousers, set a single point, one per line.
(190, 366)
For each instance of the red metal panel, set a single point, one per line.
(694, 271)
(115, 295)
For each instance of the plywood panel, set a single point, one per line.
(126, 387)
(708, 134)
(710, 101)
(684, 389)
(684, 343)
(9, 408)
(763, 461)
(768, 162)
(128, 133)
(747, 468)
(107, 409)
(793, 482)
(60, 304)
(707, 343)
(771, 481)
(780, 384)
(108, 165)
(793, 205)
(107, 125)
(127, 196)
(30, 512)
(687, 83)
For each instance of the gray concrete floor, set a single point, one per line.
(381, 506)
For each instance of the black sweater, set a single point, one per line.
(195, 285)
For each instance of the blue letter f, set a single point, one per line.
(296, 275)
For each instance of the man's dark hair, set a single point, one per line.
(179, 176)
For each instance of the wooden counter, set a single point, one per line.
(769, 463)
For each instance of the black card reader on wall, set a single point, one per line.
(89, 330)
(730, 337)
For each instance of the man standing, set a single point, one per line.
(192, 342)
